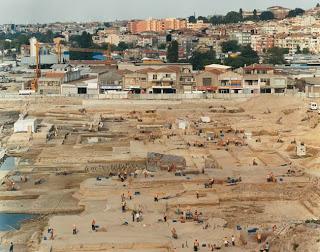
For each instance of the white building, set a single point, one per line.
(243, 38)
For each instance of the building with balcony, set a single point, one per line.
(230, 82)
(263, 79)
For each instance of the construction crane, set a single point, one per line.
(34, 82)
(59, 51)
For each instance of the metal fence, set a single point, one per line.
(14, 96)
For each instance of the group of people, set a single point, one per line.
(227, 243)
(136, 215)
(212, 247)
(123, 201)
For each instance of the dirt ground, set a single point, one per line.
(69, 171)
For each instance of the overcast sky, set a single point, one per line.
(42, 11)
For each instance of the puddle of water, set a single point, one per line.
(13, 221)
(9, 163)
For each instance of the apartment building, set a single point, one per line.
(230, 82)
(262, 79)
(295, 41)
(156, 25)
(164, 79)
(261, 43)
(199, 25)
(243, 38)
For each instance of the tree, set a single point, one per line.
(173, 52)
(318, 5)
(241, 12)
(305, 51)
(255, 14)
(83, 41)
(192, 19)
(298, 50)
(295, 12)
(200, 59)
(233, 17)
(275, 56)
(204, 19)
(230, 46)
(247, 57)
(122, 46)
(250, 54)
(162, 46)
(215, 20)
(266, 15)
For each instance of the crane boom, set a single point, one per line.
(34, 83)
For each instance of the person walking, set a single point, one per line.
(11, 247)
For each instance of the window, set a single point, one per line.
(154, 77)
(168, 75)
(206, 81)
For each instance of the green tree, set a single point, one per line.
(233, 17)
(200, 59)
(241, 12)
(266, 15)
(122, 46)
(192, 19)
(230, 46)
(215, 20)
(162, 46)
(296, 12)
(83, 41)
(247, 57)
(173, 52)
(204, 19)
(275, 56)
(318, 5)
(255, 15)
(305, 51)
(298, 50)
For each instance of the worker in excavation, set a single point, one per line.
(129, 195)
(123, 206)
(93, 225)
(74, 230)
(226, 242)
(259, 237)
(174, 233)
(233, 240)
(196, 245)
